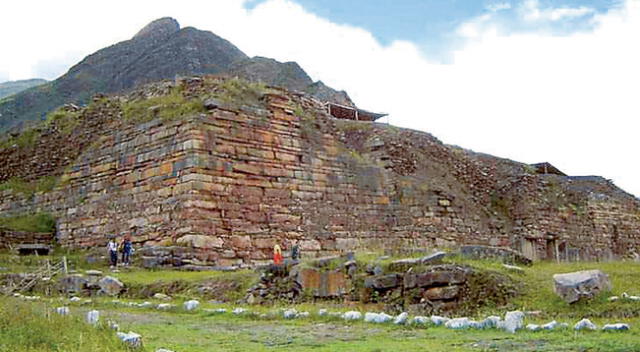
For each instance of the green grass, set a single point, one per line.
(33, 327)
(38, 222)
(167, 107)
(29, 189)
(25, 139)
(237, 92)
(66, 121)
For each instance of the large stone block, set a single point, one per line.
(586, 284)
(322, 283)
(201, 241)
(431, 278)
(383, 282)
(442, 293)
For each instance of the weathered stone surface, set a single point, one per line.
(508, 255)
(444, 292)
(322, 283)
(572, 287)
(383, 281)
(73, 284)
(201, 241)
(450, 277)
(110, 286)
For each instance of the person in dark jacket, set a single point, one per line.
(127, 248)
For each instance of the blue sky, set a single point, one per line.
(430, 24)
(528, 80)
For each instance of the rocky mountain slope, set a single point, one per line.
(13, 87)
(161, 50)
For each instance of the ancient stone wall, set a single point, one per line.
(233, 182)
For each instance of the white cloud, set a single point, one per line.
(532, 12)
(530, 96)
(499, 6)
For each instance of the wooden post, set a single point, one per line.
(64, 265)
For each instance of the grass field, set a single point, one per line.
(266, 330)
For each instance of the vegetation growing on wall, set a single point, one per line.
(28, 189)
(166, 107)
(38, 222)
(237, 92)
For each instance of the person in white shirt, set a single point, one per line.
(112, 248)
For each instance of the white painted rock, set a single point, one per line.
(290, 314)
(419, 320)
(164, 306)
(162, 296)
(533, 327)
(438, 320)
(93, 317)
(457, 323)
(131, 338)
(586, 284)
(322, 312)
(616, 327)
(239, 311)
(491, 322)
(513, 321)
(585, 324)
(191, 305)
(62, 310)
(378, 318)
(74, 299)
(145, 305)
(401, 319)
(352, 315)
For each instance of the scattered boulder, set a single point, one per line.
(586, 284)
(533, 327)
(513, 321)
(239, 311)
(73, 284)
(616, 327)
(93, 317)
(457, 323)
(491, 322)
(62, 310)
(191, 305)
(401, 319)
(420, 320)
(437, 320)
(379, 318)
(162, 296)
(164, 306)
(585, 324)
(290, 314)
(322, 312)
(110, 286)
(352, 315)
(131, 338)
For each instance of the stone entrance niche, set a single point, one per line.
(529, 248)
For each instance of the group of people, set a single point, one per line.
(277, 253)
(125, 247)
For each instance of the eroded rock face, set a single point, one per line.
(572, 287)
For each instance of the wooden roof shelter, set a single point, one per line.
(351, 113)
(547, 168)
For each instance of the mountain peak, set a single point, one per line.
(159, 28)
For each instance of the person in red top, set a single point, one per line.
(277, 255)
